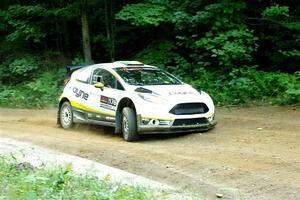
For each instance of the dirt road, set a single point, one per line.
(253, 153)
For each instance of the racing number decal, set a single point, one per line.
(108, 102)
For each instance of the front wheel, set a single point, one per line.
(129, 127)
(66, 115)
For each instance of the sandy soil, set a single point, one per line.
(253, 153)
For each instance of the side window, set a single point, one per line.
(97, 76)
(119, 86)
(83, 75)
(108, 79)
(101, 75)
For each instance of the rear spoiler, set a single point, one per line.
(72, 68)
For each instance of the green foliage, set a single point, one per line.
(22, 66)
(62, 183)
(230, 48)
(141, 14)
(191, 38)
(276, 12)
(42, 91)
(282, 35)
(78, 60)
(158, 53)
(247, 85)
(17, 69)
(294, 26)
(2, 25)
(163, 54)
(292, 53)
(32, 81)
(228, 43)
(26, 23)
(68, 11)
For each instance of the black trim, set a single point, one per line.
(72, 68)
(82, 116)
(189, 109)
(85, 82)
(179, 130)
(192, 121)
(143, 90)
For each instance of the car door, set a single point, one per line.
(104, 100)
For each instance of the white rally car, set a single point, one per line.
(134, 98)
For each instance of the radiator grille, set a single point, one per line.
(189, 109)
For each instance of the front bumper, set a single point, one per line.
(171, 128)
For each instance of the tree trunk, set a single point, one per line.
(85, 33)
(110, 28)
(66, 38)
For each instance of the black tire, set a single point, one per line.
(129, 127)
(66, 115)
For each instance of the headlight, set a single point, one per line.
(153, 98)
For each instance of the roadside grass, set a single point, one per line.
(23, 181)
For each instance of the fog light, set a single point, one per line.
(211, 118)
(145, 121)
(154, 122)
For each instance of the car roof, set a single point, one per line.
(118, 64)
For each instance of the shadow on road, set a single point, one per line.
(109, 132)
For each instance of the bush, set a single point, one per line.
(22, 66)
(235, 46)
(32, 80)
(17, 69)
(163, 54)
(246, 85)
(37, 81)
(42, 91)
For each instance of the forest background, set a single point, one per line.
(237, 51)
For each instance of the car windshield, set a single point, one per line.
(146, 76)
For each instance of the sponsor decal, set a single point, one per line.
(107, 107)
(80, 93)
(108, 102)
(180, 93)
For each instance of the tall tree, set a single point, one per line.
(85, 32)
(110, 27)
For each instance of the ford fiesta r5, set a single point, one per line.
(135, 99)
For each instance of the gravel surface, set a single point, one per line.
(253, 153)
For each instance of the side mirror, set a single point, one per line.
(99, 85)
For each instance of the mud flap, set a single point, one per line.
(118, 122)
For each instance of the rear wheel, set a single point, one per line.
(66, 115)
(129, 127)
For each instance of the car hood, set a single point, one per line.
(175, 93)
(171, 95)
(172, 90)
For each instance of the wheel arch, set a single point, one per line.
(125, 102)
(64, 99)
